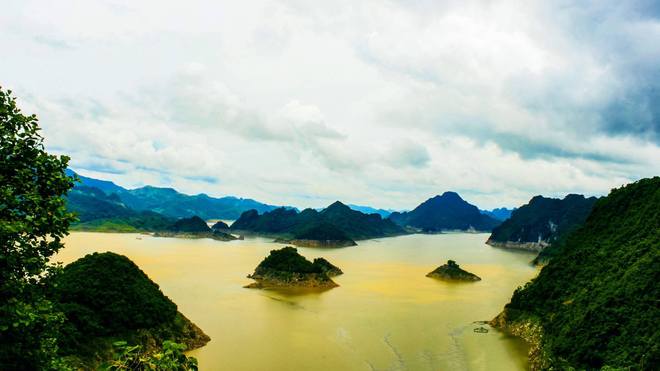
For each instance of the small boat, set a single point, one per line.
(481, 330)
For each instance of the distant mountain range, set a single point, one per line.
(500, 213)
(542, 222)
(447, 212)
(337, 222)
(104, 205)
(169, 202)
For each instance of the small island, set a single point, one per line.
(220, 226)
(286, 268)
(194, 227)
(452, 272)
(105, 297)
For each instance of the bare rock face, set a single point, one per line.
(286, 268)
(526, 246)
(452, 272)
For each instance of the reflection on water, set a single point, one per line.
(386, 315)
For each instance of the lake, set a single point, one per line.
(386, 315)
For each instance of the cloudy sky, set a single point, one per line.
(384, 103)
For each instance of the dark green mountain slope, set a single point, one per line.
(356, 225)
(91, 203)
(290, 223)
(446, 212)
(106, 297)
(542, 222)
(596, 303)
(98, 211)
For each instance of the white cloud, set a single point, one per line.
(371, 102)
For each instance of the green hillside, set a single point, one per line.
(105, 297)
(98, 211)
(596, 303)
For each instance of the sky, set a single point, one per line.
(383, 103)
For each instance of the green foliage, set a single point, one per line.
(597, 299)
(287, 259)
(169, 358)
(547, 219)
(446, 212)
(105, 294)
(43, 306)
(327, 267)
(337, 221)
(33, 221)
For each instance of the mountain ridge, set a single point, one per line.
(445, 212)
(171, 203)
(541, 222)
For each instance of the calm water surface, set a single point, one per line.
(386, 315)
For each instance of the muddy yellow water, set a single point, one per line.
(386, 315)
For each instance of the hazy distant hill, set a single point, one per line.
(500, 213)
(370, 210)
(291, 223)
(596, 302)
(541, 222)
(169, 202)
(104, 185)
(446, 212)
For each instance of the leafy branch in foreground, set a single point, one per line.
(33, 221)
